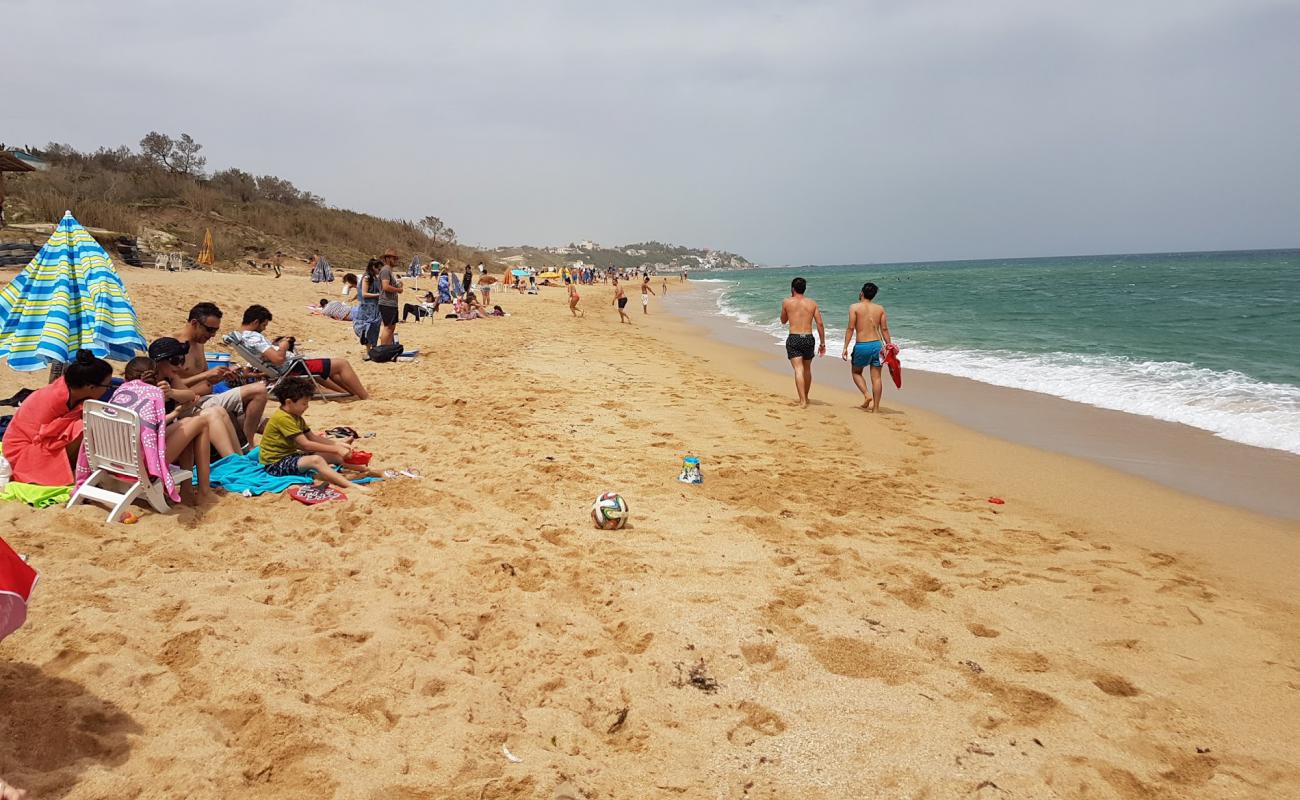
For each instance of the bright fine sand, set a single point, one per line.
(837, 612)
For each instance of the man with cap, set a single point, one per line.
(245, 404)
(389, 288)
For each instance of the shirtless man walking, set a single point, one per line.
(800, 313)
(620, 299)
(869, 324)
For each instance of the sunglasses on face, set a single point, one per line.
(211, 329)
(175, 361)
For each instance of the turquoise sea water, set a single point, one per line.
(1210, 340)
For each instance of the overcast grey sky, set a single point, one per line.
(820, 132)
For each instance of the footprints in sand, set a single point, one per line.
(1115, 686)
(757, 720)
(758, 653)
(983, 631)
(854, 658)
(1020, 705)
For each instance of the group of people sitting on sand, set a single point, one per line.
(370, 301)
(202, 409)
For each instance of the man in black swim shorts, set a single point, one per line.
(620, 298)
(800, 346)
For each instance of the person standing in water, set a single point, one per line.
(870, 325)
(801, 347)
(620, 299)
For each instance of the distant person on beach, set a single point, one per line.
(336, 309)
(424, 308)
(646, 291)
(365, 317)
(620, 299)
(799, 313)
(665, 287)
(390, 288)
(444, 287)
(573, 300)
(870, 325)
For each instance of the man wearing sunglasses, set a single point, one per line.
(245, 404)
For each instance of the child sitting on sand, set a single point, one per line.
(288, 445)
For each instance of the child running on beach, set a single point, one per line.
(290, 448)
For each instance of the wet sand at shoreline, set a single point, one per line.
(1178, 456)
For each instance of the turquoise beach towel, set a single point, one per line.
(243, 473)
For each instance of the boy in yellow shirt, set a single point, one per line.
(289, 447)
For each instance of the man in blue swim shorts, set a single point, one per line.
(869, 324)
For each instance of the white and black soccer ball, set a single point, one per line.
(609, 512)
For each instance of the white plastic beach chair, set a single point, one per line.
(275, 374)
(112, 441)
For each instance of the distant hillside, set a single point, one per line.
(161, 198)
(653, 256)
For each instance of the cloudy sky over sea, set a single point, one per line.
(820, 132)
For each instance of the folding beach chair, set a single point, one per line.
(277, 373)
(112, 441)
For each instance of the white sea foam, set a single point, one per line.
(1229, 404)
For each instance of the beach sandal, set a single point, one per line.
(312, 494)
(403, 473)
(343, 432)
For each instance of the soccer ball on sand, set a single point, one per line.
(609, 512)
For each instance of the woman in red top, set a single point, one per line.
(42, 440)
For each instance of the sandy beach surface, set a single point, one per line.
(837, 612)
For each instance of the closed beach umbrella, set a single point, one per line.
(69, 298)
(208, 255)
(16, 583)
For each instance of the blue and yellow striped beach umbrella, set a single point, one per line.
(69, 298)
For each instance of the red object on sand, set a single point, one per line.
(358, 458)
(309, 494)
(997, 501)
(16, 582)
(895, 368)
